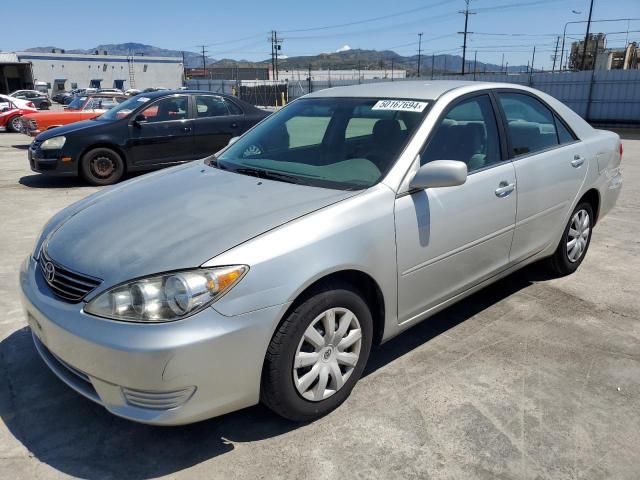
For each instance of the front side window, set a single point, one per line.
(314, 142)
(167, 109)
(468, 133)
(530, 123)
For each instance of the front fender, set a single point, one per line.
(355, 234)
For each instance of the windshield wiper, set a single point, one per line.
(268, 174)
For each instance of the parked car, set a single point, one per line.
(146, 131)
(18, 102)
(81, 92)
(39, 99)
(82, 108)
(111, 90)
(132, 92)
(11, 113)
(267, 271)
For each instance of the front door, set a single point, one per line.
(162, 133)
(449, 239)
(550, 165)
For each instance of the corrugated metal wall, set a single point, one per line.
(604, 96)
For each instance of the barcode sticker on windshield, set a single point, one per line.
(143, 99)
(404, 105)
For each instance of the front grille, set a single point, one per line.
(66, 284)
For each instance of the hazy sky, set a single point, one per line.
(240, 29)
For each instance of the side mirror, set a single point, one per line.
(233, 140)
(439, 173)
(139, 120)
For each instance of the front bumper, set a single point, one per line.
(164, 374)
(50, 161)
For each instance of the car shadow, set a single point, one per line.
(79, 438)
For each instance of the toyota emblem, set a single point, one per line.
(49, 271)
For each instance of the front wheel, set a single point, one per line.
(318, 353)
(575, 241)
(102, 166)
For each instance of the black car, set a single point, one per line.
(144, 132)
(40, 100)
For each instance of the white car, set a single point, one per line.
(5, 100)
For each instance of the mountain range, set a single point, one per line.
(345, 58)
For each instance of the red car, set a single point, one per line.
(11, 109)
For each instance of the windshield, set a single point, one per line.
(124, 109)
(77, 103)
(343, 143)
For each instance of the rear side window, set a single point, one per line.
(468, 133)
(564, 135)
(233, 108)
(530, 123)
(210, 106)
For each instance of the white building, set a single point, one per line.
(66, 71)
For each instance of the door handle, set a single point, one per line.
(234, 125)
(505, 189)
(186, 129)
(577, 161)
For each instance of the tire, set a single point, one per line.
(566, 259)
(282, 387)
(45, 106)
(102, 166)
(13, 125)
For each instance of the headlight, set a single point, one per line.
(166, 297)
(55, 143)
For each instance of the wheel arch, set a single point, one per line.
(363, 282)
(104, 144)
(592, 196)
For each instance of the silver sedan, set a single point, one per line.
(267, 271)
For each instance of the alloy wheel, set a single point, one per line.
(578, 235)
(16, 124)
(327, 354)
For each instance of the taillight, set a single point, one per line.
(620, 144)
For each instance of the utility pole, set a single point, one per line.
(466, 13)
(432, 65)
(184, 71)
(586, 37)
(555, 55)
(475, 59)
(392, 69)
(419, 51)
(533, 57)
(204, 62)
(273, 57)
(502, 63)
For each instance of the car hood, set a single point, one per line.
(65, 129)
(175, 219)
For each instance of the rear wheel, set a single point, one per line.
(575, 241)
(102, 166)
(318, 353)
(14, 124)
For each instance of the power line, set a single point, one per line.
(368, 20)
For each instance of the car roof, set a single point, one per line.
(414, 89)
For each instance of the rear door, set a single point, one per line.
(216, 121)
(163, 134)
(550, 164)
